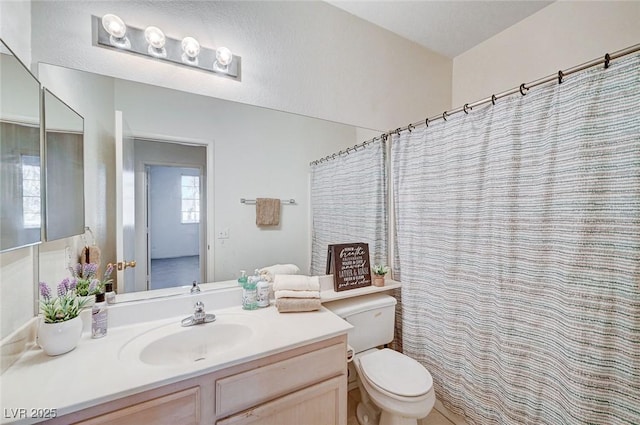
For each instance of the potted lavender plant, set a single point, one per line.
(87, 283)
(61, 325)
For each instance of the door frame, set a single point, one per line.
(207, 228)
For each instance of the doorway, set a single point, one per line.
(171, 205)
(173, 217)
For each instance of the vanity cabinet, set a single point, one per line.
(305, 385)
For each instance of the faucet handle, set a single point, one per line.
(195, 288)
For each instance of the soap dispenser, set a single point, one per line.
(262, 288)
(250, 294)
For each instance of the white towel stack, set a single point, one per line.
(268, 273)
(296, 293)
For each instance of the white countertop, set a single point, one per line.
(93, 373)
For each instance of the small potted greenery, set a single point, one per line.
(87, 284)
(379, 271)
(61, 325)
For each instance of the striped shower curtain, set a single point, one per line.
(349, 203)
(518, 245)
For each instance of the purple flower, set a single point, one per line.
(108, 271)
(89, 270)
(77, 271)
(73, 282)
(93, 285)
(45, 291)
(62, 288)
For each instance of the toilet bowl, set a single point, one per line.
(400, 388)
(394, 388)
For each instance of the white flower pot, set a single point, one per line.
(59, 338)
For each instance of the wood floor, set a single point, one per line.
(434, 418)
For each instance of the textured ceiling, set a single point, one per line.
(446, 27)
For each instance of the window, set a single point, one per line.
(190, 199)
(31, 191)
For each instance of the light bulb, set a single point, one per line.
(114, 25)
(191, 50)
(224, 56)
(117, 31)
(190, 47)
(155, 37)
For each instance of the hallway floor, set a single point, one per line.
(434, 418)
(171, 272)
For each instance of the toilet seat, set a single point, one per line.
(395, 374)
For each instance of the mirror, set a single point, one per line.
(20, 154)
(64, 169)
(251, 152)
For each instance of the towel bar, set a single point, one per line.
(253, 201)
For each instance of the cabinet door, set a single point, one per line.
(320, 404)
(180, 408)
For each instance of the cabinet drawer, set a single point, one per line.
(320, 404)
(247, 389)
(180, 408)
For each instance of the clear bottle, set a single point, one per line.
(262, 288)
(250, 294)
(242, 280)
(109, 293)
(99, 317)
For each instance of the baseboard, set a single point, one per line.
(15, 344)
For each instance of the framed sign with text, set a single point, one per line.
(349, 263)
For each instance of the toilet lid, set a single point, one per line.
(396, 373)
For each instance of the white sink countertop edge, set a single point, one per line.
(93, 373)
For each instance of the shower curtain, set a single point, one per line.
(518, 245)
(349, 203)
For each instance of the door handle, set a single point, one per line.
(122, 265)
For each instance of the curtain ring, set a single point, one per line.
(385, 137)
(560, 76)
(398, 131)
(426, 122)
(444, 115)
(607, 59)
(410, 127)
(493, 99)
(355, 148)
(466, 108)
(522, 89)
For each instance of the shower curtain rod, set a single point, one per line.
(522, 89)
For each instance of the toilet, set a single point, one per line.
(394, 388)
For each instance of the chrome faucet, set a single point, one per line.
(199, 316)
(195, 288)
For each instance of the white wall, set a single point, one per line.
(560, 36)
(15, 27)
(306, 57)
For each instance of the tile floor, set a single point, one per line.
(171, 272)
(434, 418)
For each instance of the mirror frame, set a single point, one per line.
(37, 124)
(68, 221)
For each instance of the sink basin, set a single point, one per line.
(173, 345)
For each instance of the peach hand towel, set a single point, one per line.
(293, 305)
(267, 212)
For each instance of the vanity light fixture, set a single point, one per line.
(190, 50)
(112, 33)
(156, 39)
(117, 31)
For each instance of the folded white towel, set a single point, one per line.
(288, 293)
(296, 283)
(270, 272)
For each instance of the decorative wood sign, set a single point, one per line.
(349, 264)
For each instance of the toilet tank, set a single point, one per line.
(372, 317)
